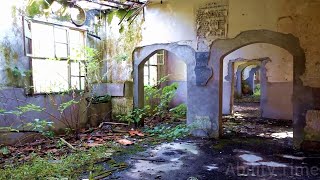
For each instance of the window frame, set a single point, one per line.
(158, 65)
(29, 21)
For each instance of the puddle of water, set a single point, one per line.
(254, 160)
(188, 147)
(171, 152)
(251, 158)
(211, 167)
(272, 164)
(146, 167)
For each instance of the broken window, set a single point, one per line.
(151, 68)
(56, 53)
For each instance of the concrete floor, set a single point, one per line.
(252, 148)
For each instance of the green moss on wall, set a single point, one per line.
(120, 44)
(119, 14)
(15, 76)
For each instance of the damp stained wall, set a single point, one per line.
(11, 46)
(119, 43)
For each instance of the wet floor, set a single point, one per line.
(249, 158)
(251, 148)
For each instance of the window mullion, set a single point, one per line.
(69, 61)
(54, 41)
(149, 76)
(80, 84)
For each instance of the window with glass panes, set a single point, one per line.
(151, 68)
(56, 54)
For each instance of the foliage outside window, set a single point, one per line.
(55, 53)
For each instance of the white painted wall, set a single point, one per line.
(177, 71)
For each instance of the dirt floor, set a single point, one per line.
(252, 148)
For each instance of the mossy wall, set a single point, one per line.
(14, 65)
(116, 44)
(119, 43)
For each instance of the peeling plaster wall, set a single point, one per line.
(175, 21)
(299, 17)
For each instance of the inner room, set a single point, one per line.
(165, 85)
(258, 88)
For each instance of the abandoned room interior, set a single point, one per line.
(160, 89)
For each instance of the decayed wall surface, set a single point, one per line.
(11, 46)
(176, 20)
(119, 43)
(15, 80)
(297, 17)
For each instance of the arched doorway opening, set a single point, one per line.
(181, 57)
(165, 84)
(221, 48)
(268, 106)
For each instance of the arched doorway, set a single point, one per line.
(142, 54)
(301, 94)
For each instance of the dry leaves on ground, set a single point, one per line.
(125, 142)
(136, 133)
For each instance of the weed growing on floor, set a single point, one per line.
(69, 166)
(180, 111)
(134, 116)
(169, 132)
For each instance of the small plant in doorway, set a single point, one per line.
(179, 111)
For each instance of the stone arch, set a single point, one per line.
(302, 96)
(142, 54)
(229, 89)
